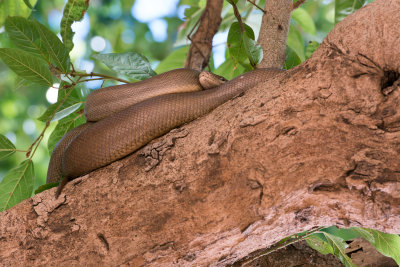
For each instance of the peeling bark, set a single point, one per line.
(319, 145)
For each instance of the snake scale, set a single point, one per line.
(123, 118)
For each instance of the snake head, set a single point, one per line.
(210, 80)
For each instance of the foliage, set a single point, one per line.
(6, 147)
(332, 240)
(73, 11)
(39, 59)
(133, 65)
(16, 185)
(15, 8)
(346, 7)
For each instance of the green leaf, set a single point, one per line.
(33, 37)
(320, 245)
(27, 66)
(311, 48)
(6, 147)
(190, 24)
(63, 126)
(191, 11)
(343, 233)
(189, 2)
(235, 42)
(131, 64)
(73, 97)
(55, 50)
(292, 59)
(48, 112)
(14, 8)
(344, 8)
(73, 11)
(361, 232)
(229, 70)
(339, 245)
(255, 51)
(174, 60)
(45, 187)
(62, 112)
(71, 104)
(233, 2)
(66, 111)
(386, 244)
(304, 20)
(24, 35)
(295, 42)
(16, 185)
(227, 21)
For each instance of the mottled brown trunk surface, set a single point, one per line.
(273, 36)
(319, 145)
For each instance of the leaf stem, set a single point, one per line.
(243, 33)
(20, 150)
(257, 6)
(83, 74)
(12, 149)
(89, 80)
(35, 144)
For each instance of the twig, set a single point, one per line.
(243, 32)
(257, 6)
(238, 17)
(82, 74)
(297, 4)
(36, 143)
(89, 80)
(69, 78)
(19, 150)
(33, 147)
(16, 150)
(189, 36)
(201, 42)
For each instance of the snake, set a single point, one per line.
(123, 118)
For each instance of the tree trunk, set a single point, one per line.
(275, 28)
(318, 145)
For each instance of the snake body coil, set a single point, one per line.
(127, 127)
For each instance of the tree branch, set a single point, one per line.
(274, 32)
(201, 46)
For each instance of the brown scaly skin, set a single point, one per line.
(125, 131)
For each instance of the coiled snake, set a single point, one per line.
(123, 118)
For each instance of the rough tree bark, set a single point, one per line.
(275, 29)
(201, 46)
(318, 145)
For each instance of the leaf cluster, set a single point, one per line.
(40, 57)
(332, 240)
